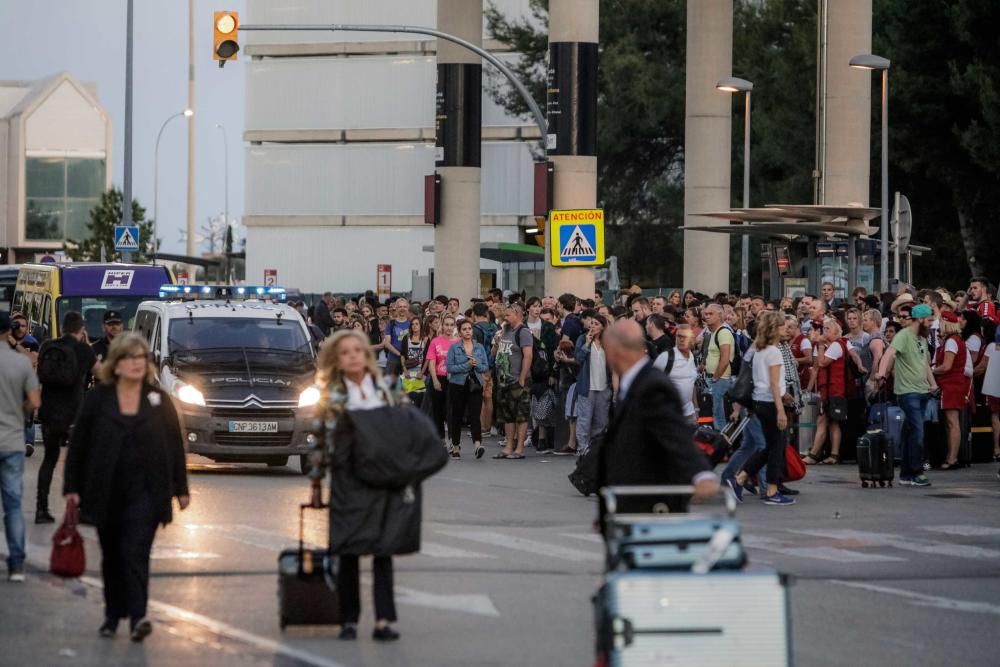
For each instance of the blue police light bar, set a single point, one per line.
(228, 292)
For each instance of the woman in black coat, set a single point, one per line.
(125, 464)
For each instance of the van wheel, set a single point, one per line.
(278, 462)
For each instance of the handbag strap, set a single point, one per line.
(71, 518)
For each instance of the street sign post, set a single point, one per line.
(383, 282)
(577, 237)
(270, 277)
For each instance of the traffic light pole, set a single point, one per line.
(127, 184)
(418, 30)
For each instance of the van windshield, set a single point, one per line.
(93, 308)
(198, 338)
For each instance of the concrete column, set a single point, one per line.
(848, 104)
(572, 119)
(707, 139)
(459, 143)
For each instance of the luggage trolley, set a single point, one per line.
(670, 586)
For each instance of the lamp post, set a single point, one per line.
(187, 113)
(225, 147)
(877, 63)
(736, 85)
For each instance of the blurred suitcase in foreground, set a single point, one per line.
(307, 593)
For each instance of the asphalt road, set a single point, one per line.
(882, 577)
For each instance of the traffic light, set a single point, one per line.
(227, 25)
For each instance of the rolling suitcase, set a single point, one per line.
(717, 445)
(307, 592)
(651, 619)
(890, 418)
(875, 464)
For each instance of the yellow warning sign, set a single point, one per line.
(577, 237)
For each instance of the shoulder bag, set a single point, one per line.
(68, 559)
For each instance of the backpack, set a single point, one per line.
(483, 333)
(741, 342)
(670, 361)
(540, 364)
(57, 364)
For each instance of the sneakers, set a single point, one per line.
(15, 574)
(348, 632)
(108, 628)
(778, 499)
(492, 432)
(527, 441)
(566, 451)
(141, 629)
(919, 480)
(545, 448)
(737, 489)
(43, 516)
(385, 634)
(785, 491)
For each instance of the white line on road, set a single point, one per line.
(923, 600)
(900, 542)
(481, 605)
(964, 531)
(821, 553)
(523, 544)
(437, 550)
(586, 537)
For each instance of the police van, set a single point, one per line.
(241, 365)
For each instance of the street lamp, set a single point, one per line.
(872, 63)
(225, 147)
(187, 113)
(736, 85)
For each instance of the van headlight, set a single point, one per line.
(190, 395)
(309, 397)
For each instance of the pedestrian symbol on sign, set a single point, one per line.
(576, 243)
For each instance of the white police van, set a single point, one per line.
(241, 365)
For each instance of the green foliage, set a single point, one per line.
(103, 219)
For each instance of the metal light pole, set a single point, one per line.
(187, 113)
(225, 144)
(735, 85)
(871, 62)
(127, 185)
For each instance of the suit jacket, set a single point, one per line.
(649, 442)
(97, 439)
(322, 317)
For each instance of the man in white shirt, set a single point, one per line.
(680, 366)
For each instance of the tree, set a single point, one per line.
(103, 219)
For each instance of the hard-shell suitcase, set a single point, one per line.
(307, 593)
(651, 619)
(890, 418)
(875, 465)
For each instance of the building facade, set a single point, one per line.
(340, 135)
(55, 148)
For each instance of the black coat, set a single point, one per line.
(649, 440)
(96, 441)
(322, 317)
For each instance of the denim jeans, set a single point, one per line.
(592, 415)
(11, 490)
(913, 406)
(719, 389)
(753, 440)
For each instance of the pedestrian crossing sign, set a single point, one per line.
(126, 238)
(577, 237)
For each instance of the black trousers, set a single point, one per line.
(349, 583)
(439, 404)
(774, 455)
(126, 542)
(464, 403)
(55, 437)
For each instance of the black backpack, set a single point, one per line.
(541, 369)
(57, 364)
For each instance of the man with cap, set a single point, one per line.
(112, 327)
(914, 383)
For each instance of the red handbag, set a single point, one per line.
(68, 558)
(795, 469)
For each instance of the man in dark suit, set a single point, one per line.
(649, 441)
(321, 315)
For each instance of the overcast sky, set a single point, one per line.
(86, 38)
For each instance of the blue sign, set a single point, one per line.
(578, 243)
(127, 238)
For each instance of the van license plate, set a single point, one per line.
(253, 427)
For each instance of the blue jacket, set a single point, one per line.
(583, 366)
(459, 366)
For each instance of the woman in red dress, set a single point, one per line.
(950, 370)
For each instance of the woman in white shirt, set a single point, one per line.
(768, 391)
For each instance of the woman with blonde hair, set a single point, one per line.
(953, 370)
(368, 516)
(125, 463)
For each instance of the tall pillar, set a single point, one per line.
(572, 120)
(848, 104)
(707, 138)
(459, 145)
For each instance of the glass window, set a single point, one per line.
(84, 178)
(45, 177)
(78, 217)
(44, 219)
(92, 309)
(211, 333)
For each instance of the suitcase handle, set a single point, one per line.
(610, 494)
(302, 533)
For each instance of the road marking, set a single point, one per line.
(250, 536)
(923, 600)
(964, 531)
(481, 605)
(900, 542)
(174, 552)
(821, 553)
(437, 550)
(586, 537)
(523, 544)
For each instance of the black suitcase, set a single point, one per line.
(307, 592)
(875, 464)
(584, 476)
